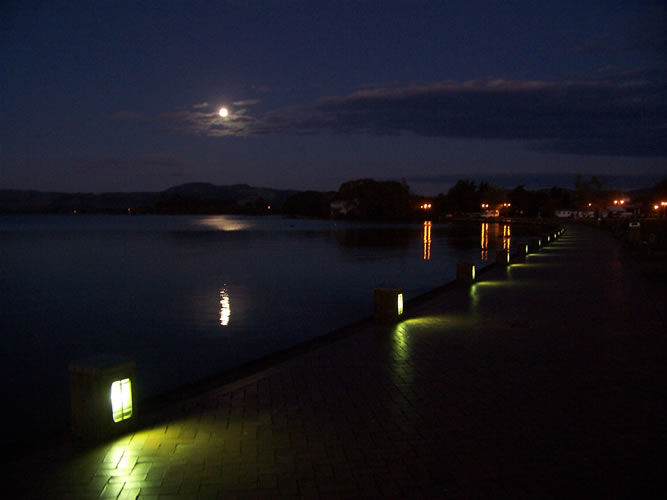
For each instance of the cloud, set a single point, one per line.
(607, 113)
(237, 123)
(201, 105)
(539, 180)
(623, 116)
(160, 160)
(247, 102)
(115, 163)
(98, 162)
(264, 89)
(127, 116)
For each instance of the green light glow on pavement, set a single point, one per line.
(435, 322)
(543, 255)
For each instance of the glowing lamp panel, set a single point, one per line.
(400, 303)
(121, 399)
(473, 273)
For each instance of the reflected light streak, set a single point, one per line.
(400, 339)
(427, 240)
(506, 237)
(402, 371)
(225, 310)
(224, 223)
(484, 241)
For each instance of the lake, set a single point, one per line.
(191, 296)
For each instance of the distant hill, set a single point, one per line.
(185, 198)
(240, 193)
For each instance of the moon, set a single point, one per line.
(223, 112)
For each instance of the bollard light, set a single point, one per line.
(121, 399)
(465, 272)
(388, 304)
(523, 249)
(534, 244)
(502, 257)
(101, 396)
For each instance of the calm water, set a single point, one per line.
(190, 296)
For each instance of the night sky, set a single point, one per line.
(124, 96)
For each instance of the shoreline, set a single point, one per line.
(534, 380)
(181, 396)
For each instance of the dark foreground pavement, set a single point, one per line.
(544, 379)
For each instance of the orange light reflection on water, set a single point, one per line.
(484, 241)
(427, 240)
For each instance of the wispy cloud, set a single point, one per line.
(247, 102)
(127, 116)
(237, 123)
(160, 160)
(201, 105)
(264, 89)
(609, 113)
(539, 180)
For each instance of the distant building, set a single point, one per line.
(342, 207)
(622, 207)
(570, 213)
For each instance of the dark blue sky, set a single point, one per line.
(102, 96)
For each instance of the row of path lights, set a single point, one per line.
(101, 388)
(388, 301)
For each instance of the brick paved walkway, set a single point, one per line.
(544, 379)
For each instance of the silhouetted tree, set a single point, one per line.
(375, 199)
(659, 191)
(588, 191)
(521, 200)
(308, 204)
(488, 193)
(463, 197)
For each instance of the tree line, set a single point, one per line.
(371, 199)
